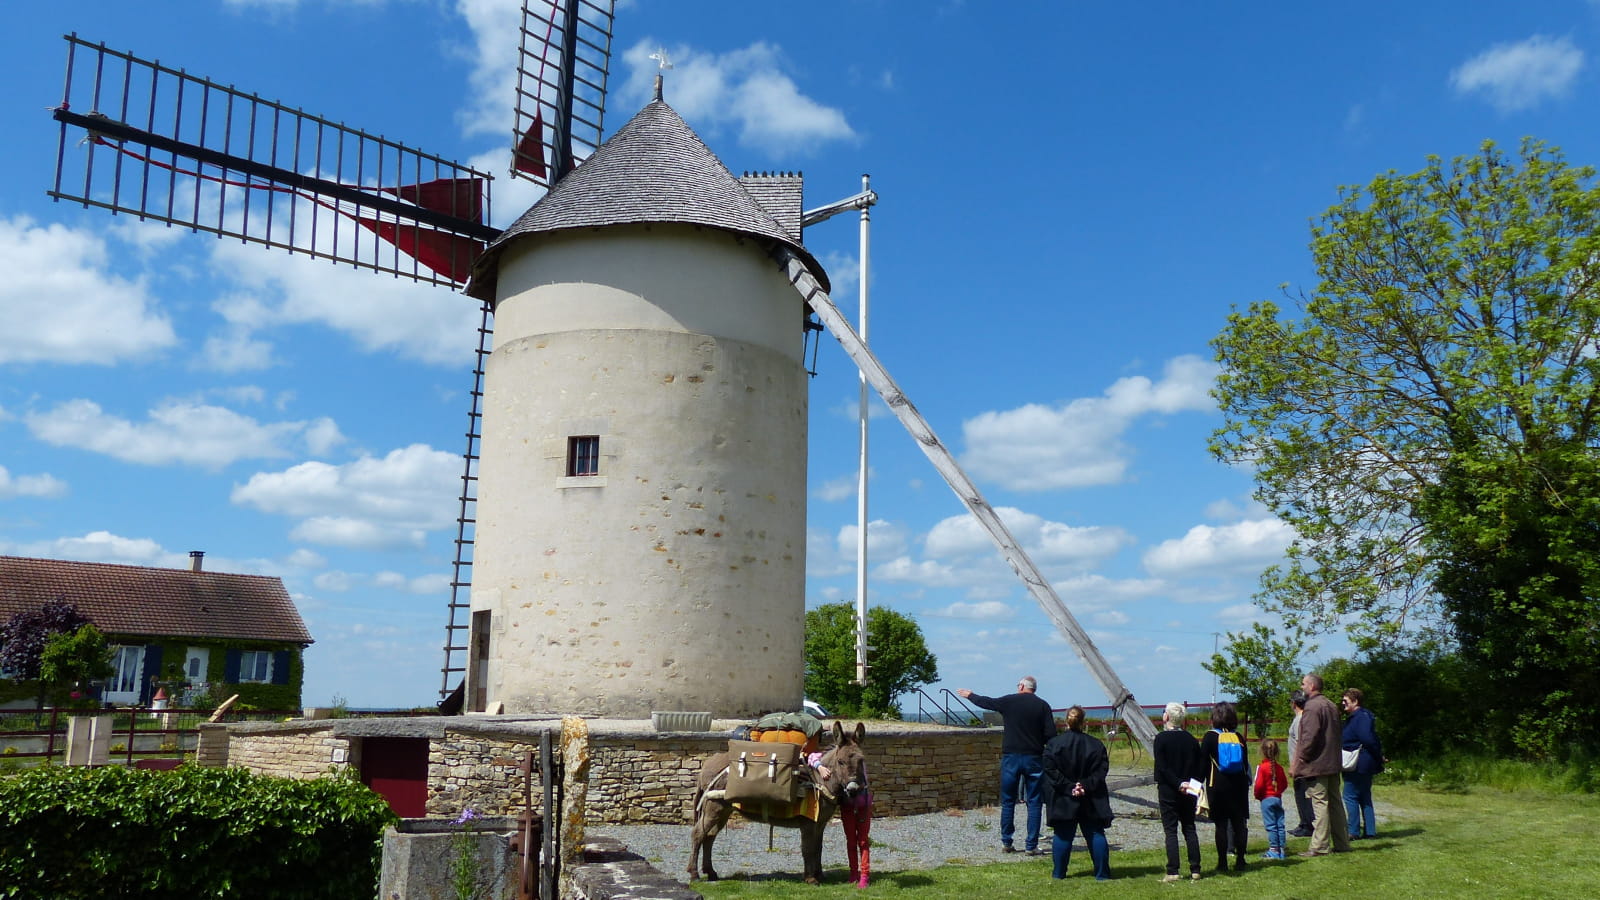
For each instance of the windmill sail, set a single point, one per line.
(164, 145)
(561, 86)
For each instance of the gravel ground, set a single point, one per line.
(959, 837)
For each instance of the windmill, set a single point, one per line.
(164, 145)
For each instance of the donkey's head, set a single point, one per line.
(846, 763)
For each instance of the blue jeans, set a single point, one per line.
(1358, 811)
(1099, 851)
(1020, 770)
(1272, 818)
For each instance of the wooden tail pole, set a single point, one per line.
(1121, 698)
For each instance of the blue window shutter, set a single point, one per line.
(230, 668)
(280, 667)
(152, 668)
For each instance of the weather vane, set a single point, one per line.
(660, 56)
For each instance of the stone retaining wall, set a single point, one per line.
(634, 775)
(292, 750)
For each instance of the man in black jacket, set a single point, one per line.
(1029, 726)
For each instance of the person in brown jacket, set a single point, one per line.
(1317, 758)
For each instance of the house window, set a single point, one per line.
(255, 666)
(127, 667)
(583, 455)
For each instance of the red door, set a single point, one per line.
(397, 768)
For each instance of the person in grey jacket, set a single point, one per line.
(1302, 803)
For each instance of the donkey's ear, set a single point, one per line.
(861, 732)
(838, 732)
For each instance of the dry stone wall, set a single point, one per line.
(480, 772)
(634, 775)
(288, 751)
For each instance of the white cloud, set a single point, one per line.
(836, 489)
(1521, 75)
(336, 582)
(745, 91)
(176, 432)
(102, 546)
(59, 303)
(831, 555)
(235, 350)
(1205, 549)
(987, 610)
(1046, 542)
(430, 324)
(373, 502)
(960, 554)
(1037, 447)
(421, 585)
(30, 485)
(495, 25)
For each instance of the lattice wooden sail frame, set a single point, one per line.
(561, 86)
(164, 145)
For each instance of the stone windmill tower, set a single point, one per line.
(641, 504)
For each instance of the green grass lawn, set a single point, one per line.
(1481, 843)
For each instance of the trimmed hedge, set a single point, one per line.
(69, 833)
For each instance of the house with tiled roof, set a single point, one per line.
(233, 634)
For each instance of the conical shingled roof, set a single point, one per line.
(654, 170)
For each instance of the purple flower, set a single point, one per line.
(467, 815)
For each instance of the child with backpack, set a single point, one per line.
(1228, 786)
(1270, 784)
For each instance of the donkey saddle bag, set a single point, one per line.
(765, 772)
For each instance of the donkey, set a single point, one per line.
(846, 768)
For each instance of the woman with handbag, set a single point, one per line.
(1076, 797)
(1363, 758)
(1228, 785)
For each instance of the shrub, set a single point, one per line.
(71, 833)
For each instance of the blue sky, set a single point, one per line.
(1073, 196)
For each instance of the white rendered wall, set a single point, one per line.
(674, 579)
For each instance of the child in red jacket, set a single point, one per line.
(1270, 784)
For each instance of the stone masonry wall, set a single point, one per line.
(646, 778)
(298, 752)
(634, 776)
(481, 772)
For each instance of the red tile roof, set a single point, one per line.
(139, 601)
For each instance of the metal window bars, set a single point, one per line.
(561, 86)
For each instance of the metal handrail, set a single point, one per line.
(946, 716)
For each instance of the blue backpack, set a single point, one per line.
(1230, 752)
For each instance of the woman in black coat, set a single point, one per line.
(1228, 792)
(1075, 795)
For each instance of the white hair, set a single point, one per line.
(1176, 712)
(1028, 682)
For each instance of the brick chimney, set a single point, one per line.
(196, 560)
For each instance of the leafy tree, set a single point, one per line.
(1429, 423)
(899, 660)
(24, 635)
(72, 660)
(1260, 671)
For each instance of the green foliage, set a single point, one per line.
(1429, 423)
(71, 832)
(1423, 700)
(70, 661)
(1260, 671)
(899, 660)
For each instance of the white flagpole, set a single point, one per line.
(861, 475)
